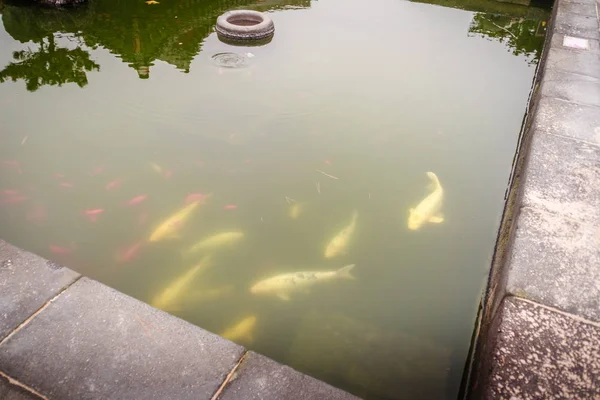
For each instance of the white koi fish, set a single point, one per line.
(217, 240)
(284, 284)
(170, 227)
(428, 210)
(170, 298)
(242, 331)
(339, 243)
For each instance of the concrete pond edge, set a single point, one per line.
(64, 336)
(538, 334)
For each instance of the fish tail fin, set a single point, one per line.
(434, 180)
(344, 272)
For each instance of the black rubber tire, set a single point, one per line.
(256, 25)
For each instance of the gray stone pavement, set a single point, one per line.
(555, 256)
(259, 378)
(544, 340)
(543, 354)
(9, 391)
(27, 282)
(68, 338)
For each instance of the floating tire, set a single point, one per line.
(245, 25)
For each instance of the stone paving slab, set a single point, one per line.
(94, 342)
(13, 392)
(580, 25)
(558, 38)
(555, 261)
(588, 9)
(563, 118)
(582, 63)
(583, 90)
(260, 378)
(27, 282)
(543, 354)
(593, 2)
(563, 178)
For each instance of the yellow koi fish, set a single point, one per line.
(339, 243)
(203, 295)
(242, 331)
(157, 168)
(284, 284)
(428, 210)
(218, 240)
(170, 298)
(174, 223)
(295, 210)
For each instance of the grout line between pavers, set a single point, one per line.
(556, 310)
(580, 14)
(571, 101)
(15, 382)
(557, 214)
(35, 314)
(543, 130)
(229, 375)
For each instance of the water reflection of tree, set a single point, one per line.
(521, 36)
(173, 31)
(49, 65)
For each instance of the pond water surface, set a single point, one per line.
(138, 149)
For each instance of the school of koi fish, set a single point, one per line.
(198, 252)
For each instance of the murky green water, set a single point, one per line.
(112, 114)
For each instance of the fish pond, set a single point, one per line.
(329, 199)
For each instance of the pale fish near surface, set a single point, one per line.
(339, 243)
(170, 298)
(428, 210)
(295, 210)
(217, 240)
(169, 227)
(205, 295)
(242, 331)
(285, 284)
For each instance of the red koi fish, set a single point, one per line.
(114, 184)
(143, 218)
(58, 176)
(93, 214)
(230, 207)
(60, 250)
(137, 200)
(98, 170)
(14, 200)
(194, 197)
(130, 253)
(10, 192)
(168, 174)
(66, 185)
(11, 163)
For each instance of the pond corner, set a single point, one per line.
(64, 336)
